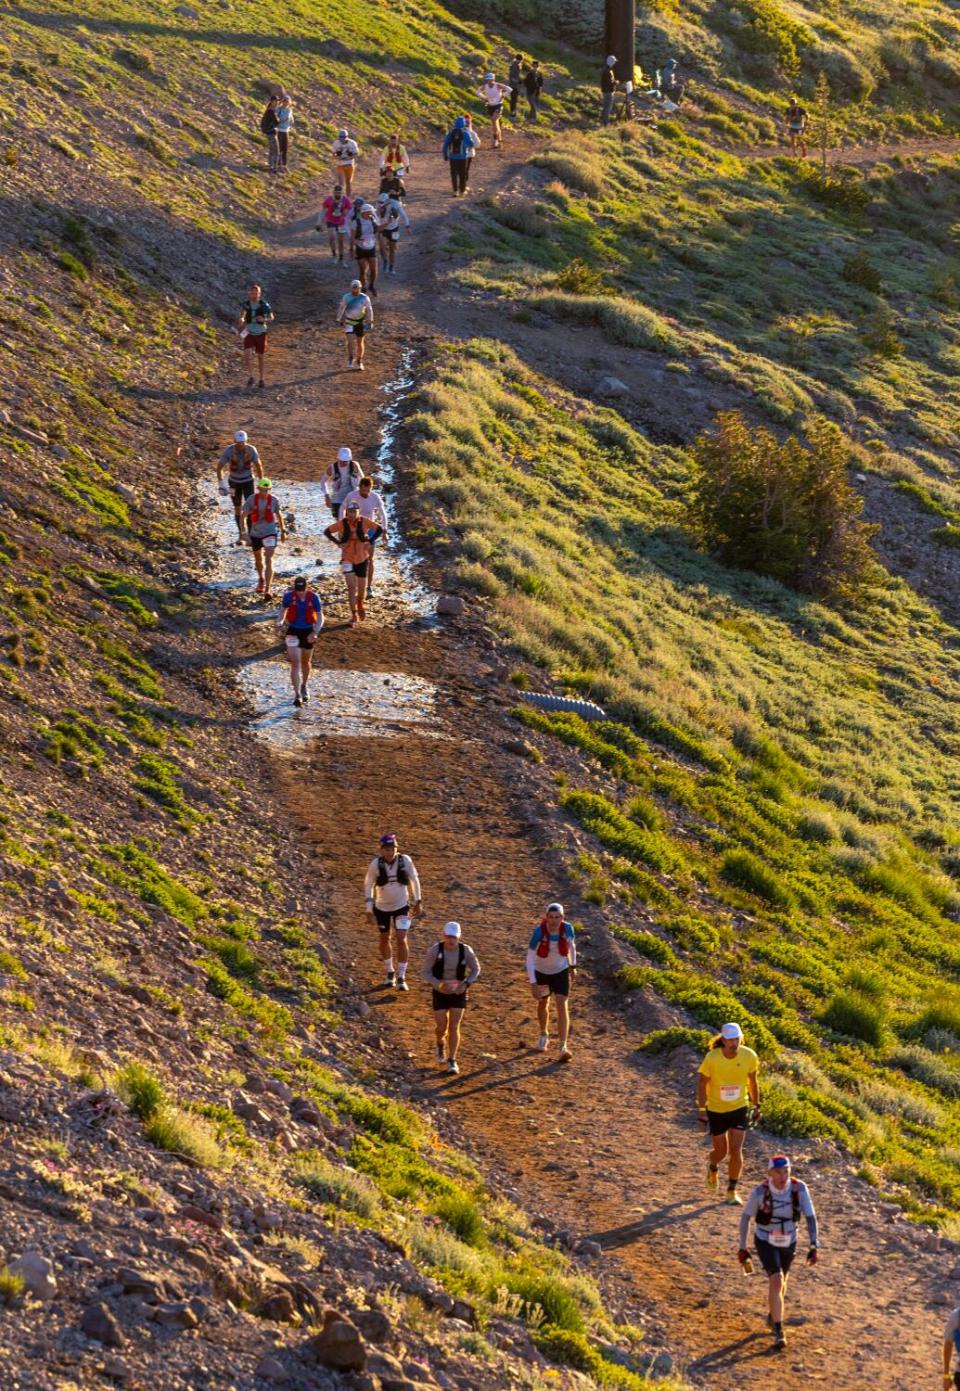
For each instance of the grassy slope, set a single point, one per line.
(131, 202)
(784, 815)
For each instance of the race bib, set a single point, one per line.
(402, 924)
(293, 642)
(269, 542)
(781, 1240)
(346, 567)
(731, 1093)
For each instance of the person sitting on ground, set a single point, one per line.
(301, 619)
(450, 967)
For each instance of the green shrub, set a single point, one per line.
(579, 278)
(786, 510)
(647, 944)
(947, 536)
(927, 1068)
(769, 30)
(618, 833)
(551, 1293)
(178, 1132)
(11, 1286)
(856, 1015)
(746, 871)
(665, 1040)
(858, 269)
(570, 1348)
(136, 59)
(462, 1216)
(817, 826)
(338, 1185)
(786, 1114)
(139, 1089)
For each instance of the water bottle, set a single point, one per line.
(748, 1266)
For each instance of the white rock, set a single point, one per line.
(36, 1272)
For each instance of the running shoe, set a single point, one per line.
(711, 1176)
(304, 693)
(543, 1043)
(779, 1340)
(389, 977)
(259, 586)
(297, 702)
(402, 983)
(733, 1198)
(360, 366)
(441, 1052)
(369, 591)
(565, 1055)
(453, 1066)
(261, 385)
(250, 381)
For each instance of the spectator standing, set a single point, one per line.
(608, 88)
(269, 124)
(533, 86)
(514, 78)
(284, 127)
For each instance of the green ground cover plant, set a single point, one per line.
(785, 822)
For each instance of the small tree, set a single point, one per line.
(784, 510)
(823, 122)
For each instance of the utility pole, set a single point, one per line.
(620, 36)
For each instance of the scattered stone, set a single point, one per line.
(373, 1324)
(36, 1272)
(662, 1365)
(267, 1221)
(126, 493)
(98, 1323)
(192, 1213)
(593, 1249)
(185, 12)
(179, 1315)
(280, 1308)
(450, 605)
(269, 1369)
(117, 1370)
(278, 1089)
(140, 1282)
(611, 386)
(464, 1312)
(932, 1241)
(339, 1344)
(520, 747)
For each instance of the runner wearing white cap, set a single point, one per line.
(345, 152)
(551, 963)
(450, 967)
(492, 94)
(392, 896)
(240, 459)
(341, 478)
(356, 315)
(726, 1090)
(776, 1206)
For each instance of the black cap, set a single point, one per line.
(300, 582)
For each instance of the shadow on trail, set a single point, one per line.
(666, 1216)
(734, 1354)
(451, 1088)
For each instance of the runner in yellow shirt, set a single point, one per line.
(726, 1090)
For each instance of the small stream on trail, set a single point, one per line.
(343, 702)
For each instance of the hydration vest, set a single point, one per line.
(296, 614)
(765, 1210)
(437, 970)
(269, 514)
(402, 875)
(543, 946)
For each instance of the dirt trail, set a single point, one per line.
(607, 1146)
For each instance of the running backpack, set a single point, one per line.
(461, 963)
(242, 461)
(269, 121)
(296, 613)
(765, 1210)
(402, 875)
(455, 145)
(543, 946)
(269, 514)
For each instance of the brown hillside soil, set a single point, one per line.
(607, 1147)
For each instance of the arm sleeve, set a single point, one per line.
(371, 878)
(531, 966)
(749, 1211)
(403, 214)
(414, 879)
(571, 938)
(806, 1207)
(473, 965)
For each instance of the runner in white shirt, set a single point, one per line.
(372, 509)
(340, 478)
(493, 93)
(392, 896)
(392, 215)
(363, 246)
(346, 152)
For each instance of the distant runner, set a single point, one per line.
(356, 315)
(776, 1206)
(346, 152)
(266, 527)
(363, 247)
(608, 88)
(459, 144)
(391, 215)
(285, 125)
(450, 967)
(492, 94)
(393, 186)
(514, 78)
(551, 962)
(392, 894)
(335, 210)
(394, 159)
(796, 121)
(242, 463)
(341, 478)
(372, 509)
(255, 315)
(726, 1089)
(301, 619)
(353, 535)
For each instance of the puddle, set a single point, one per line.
(343, 703)
(374, 704)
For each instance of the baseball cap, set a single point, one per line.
(356, 284)
(368, 208)
(778, 1161)
(264, 483)
(731, 1031)
(344, 455)
(352, 507)
(611, 60)
(451, 929)
(300, 582)
(388, 838)
(240, 437)
(490, 77)
(555, 908)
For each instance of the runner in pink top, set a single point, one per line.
(334, 213)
